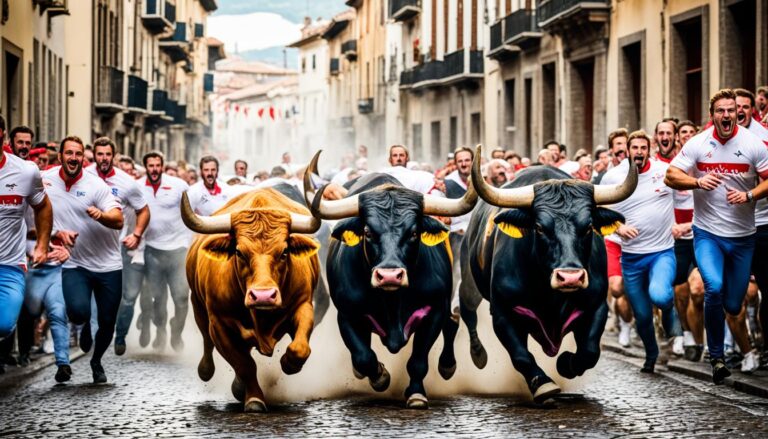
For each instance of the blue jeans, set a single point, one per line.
(79, 284)
(724, 264)
(44, 289)
(11, 298)
(133, 277)
(648, 281)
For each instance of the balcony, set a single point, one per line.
(462, 65)
(110, 90)
(521, 29)
(137, 94)
(349, 49)
(199, 30)
(404, 10)
(500, 50)
(335, 66)
(209, 5)
(158, 16)
(175, 112)
(176, 45)
(558, 15)
(365, 106)
(354, 3)
(157, 113)
(208, 83)
(52, 7)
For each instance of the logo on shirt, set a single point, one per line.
(80, 193)
(11, 200)
(11, 186)
(738, 153)
(114, 191)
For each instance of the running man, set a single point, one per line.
(647, 254)
(726, 162)
(88, 219)
(128, 193)
(208, 195)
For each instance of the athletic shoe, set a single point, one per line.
(99, 376)
(719, 371)
(624, 332)
(677, 346)
(64, 373)
(86, 340)
(750, 362)
(648, 366)
(119, 346)
(688, 339)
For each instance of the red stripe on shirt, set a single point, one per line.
(723, 168)
(11, 200)
(683, 216)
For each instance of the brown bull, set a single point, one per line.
(252, 273)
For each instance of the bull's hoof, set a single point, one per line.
(381, 383)
(417, 401)
(479, 355)
(238, 389)
(446, 372)
(545, 392)
(290, 366)
(358, 375)
(205, 369)
(565, 365)
(255, 405)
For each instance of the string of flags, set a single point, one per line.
(272, 112)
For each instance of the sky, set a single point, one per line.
(248, 25)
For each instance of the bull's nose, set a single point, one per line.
(389, 277)
(569, 278)
(261, 297)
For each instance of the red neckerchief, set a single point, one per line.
(69, 182)
(723, 142)
(3, 160)
(662, 158)
(155, 187)
(104, 177)
(646, 167)
(216, 189)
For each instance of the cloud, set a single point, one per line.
(259, 30)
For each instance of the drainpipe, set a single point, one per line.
(664, 67)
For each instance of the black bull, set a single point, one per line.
(389, 273)
(543, 269)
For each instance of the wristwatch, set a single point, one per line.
(750, 197)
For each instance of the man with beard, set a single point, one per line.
(665, 135)
(136, 214)
(745, 107)
(88, 220)
(241, 168)
(455, 187)
(419, 181)
(165, 253)
(21, 141)
(208, 195)
(726, 162)
(760, 112)
(647, 255)
(20, 186)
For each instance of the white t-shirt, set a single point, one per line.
(205, 202)
(740, 160)
(569, 167)
(459, 223)
(683, 204)
(761, 207)
(419, 181)
(650, 209)
(20, 186)
(127, 192)
(166, 231)
(97, 248)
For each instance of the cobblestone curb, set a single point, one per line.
(14, 374)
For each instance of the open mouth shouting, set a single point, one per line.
(740, 117)
(727, 125)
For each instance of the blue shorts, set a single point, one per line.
(11, 297)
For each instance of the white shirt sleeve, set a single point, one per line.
(104, 199)
(135, 198)
(761, 159)
(686, 159)
(37, 192)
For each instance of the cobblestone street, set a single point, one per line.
(157, 395)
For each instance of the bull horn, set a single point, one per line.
(207, 225)
(309, 188)
(451, 207)
(509, 198)
(304, 223)
(616, 193)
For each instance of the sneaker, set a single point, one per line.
(648, 366)
(688, 339)
(119, 346)
(624, 332)
(86, 341)
(64, 373)
(719, 371)
(99, 376)
(750, 362)
(677, 346)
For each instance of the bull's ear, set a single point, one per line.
(302, 246)
(606, 221)
(512, 222)
(219, 248)
(349, 231)
(433, 231)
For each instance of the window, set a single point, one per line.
(416, 141)
(528, 113)
(476, 129)
(509, 108)
(630, 78)
(314, 62)
(454, 134)
(548, 101)
(434, 141)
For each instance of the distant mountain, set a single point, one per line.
(273, 55)
(292, 10)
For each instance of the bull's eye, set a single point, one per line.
(539, 229)
(414, 235)
(239, 254)
(284, 255)
(367, 232)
